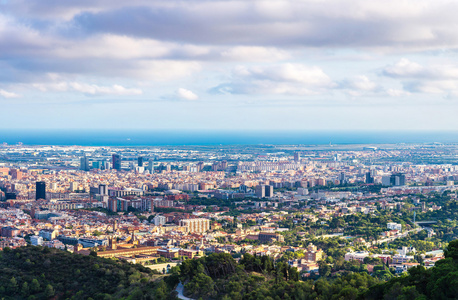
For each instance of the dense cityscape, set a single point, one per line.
(321, 210)
(228, 150)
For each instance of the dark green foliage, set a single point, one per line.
(45, 273)
(439, 282)
(259, 278)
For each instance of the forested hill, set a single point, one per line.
(439, 282)
(219, 276)
(47, 273)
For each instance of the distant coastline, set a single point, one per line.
(133, 137)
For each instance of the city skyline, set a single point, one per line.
(222, 65)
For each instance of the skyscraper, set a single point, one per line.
(103, 189)
(297, 156)
(116, 161)
(40, 192)
(342, 178)
(140, 161)
(151, 166)
(369, 178)
(398, 179)
(84, 163)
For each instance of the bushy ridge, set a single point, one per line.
(439, 282)
(219, 276)
(46, 273)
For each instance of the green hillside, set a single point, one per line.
(46, 273)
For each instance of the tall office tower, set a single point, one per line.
(140, 161)
(106, 165)
(260, 191)
(96, 164)
(103, 190)
(40, 190)
(151, 166)
(297, 156)
(84, 163)
(264, 191)
(369, 178)
(269, 191)
(398, 179)
(116, 161)
(342, 178)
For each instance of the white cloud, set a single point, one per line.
(407, 69)
(360, 83)
(430, 79)
(311, 76)
(92, 89)
(6, 94)
(253, 53)
(287, 79)
(186, 94)
(396, 93)
(404, 68)
(88, 89)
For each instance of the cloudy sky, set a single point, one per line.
(209, 64)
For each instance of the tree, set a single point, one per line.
(49, 291)
(452, 250)
(12, 287)
(25, 289)
(324, 269)
(35, 286)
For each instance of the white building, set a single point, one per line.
(159, 220)
(394, 226)
(36, 240)
(196, 225)
(360, 255)
(48, 235)
(400, 259)
(404, 250)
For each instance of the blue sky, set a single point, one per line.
(207, 64)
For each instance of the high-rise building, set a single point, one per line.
(263, 191)
(74, 186)
(84, 163)
(40, 191)
(16, 174)
(369, 178)
(116, 159)
(96, 164)
(151, 166)
(398, 179)
(103, 189)
(342, 178)
(297, 156)
(140, 161)
(269, 191)
(260, 191)
(106, 165)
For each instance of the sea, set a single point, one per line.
(130, 137)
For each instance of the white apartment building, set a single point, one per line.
(196, 225)
(159, 220)
(36, 240)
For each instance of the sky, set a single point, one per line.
(229, 65)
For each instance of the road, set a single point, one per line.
(390, 239)
(180, 289)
